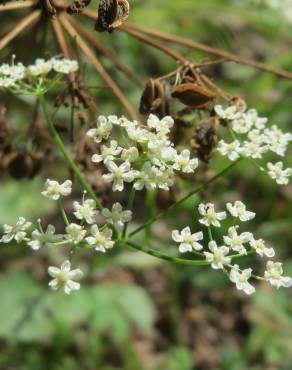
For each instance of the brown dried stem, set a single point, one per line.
(93, 15)
(17, 5)
(92, 57)
(107, 52)
(26, 22)
(212, 51)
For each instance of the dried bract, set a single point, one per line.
(111, 14)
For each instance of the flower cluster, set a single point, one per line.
(252, 138)
(147, 158)
(235, 244)
(84, 232)
(16, 76)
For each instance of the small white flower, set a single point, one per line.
(119, 174)
(261, 248)
(44, 239)
(240, 278)
(187, 240)
(16, 232)
(64, 65)
(102, 130)
(108, 153)
(40, 67)
(210, 217)
(254, 149)
(231, 150)
(184, 163)
(230, 113)
(241, 125)
(100, 239)
(162, 126)
(146, 177)
(238, 209)
(276, 172)
(256, 121)
(235, 241)
(130, 155)
(75, 233)
(64, 278)
(117, 216)
(274, 275)
(53, 190)
(218, 256)
(86, 211)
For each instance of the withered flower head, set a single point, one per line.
(111, 14)
(154, 99)
(77, 6)
(205, 140)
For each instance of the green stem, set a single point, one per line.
(165, 257)
(130, 207)
(65, 153)
(204, 185)
(62, 210)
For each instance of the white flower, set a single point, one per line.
(241, 125)
(100, 239)
(146, 177)
(102, 130)
(261, 249)
(210, 216)
(64, 278)
(53, 190)
(130, 155)
(240, 278)
(117, 216)
(86, 211)
(231, 150)
(254, 149)
(238, 209)
(273, 275)
(44, 239)
(75, 233)
(184, 163)
(277, 173)
(235, 241)
(40, 67)
(64, 65)
(256, 121)
(230, 113)
(107, 152)
(218, 256)
(162, 126)
(17, 231)
(187, 240)
(119, 174)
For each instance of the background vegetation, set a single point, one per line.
(134, 312)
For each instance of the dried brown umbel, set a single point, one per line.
(22, 165)
(111, 14)
(205, 140)
(154, 99)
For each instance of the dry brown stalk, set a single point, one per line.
(92, 57)
(18, 5)
(26, 22)
(107, 52)
(212, 51)
(145, 39)
(61, 37)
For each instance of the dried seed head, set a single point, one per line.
(239, 103)
(154, 99)
(22, 165)
(111, 14)
(193, 94)
(205, 140)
